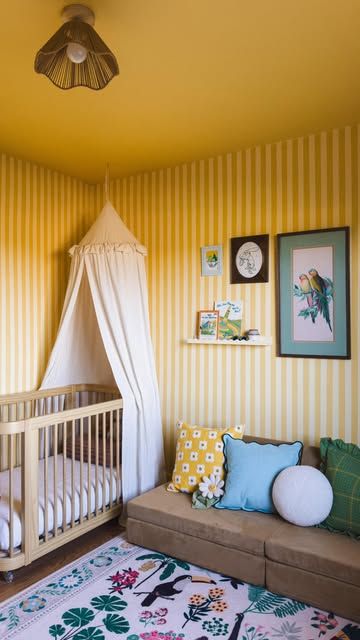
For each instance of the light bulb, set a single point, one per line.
(76, 52)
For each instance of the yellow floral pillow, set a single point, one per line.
(199, 452)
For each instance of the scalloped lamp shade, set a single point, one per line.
(55, 58)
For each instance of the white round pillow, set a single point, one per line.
(302, 495)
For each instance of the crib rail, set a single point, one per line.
(70, 466)
(23, 406)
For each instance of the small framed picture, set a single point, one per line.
(211, 260)
(313, 294)
(249, 259)
(208, 324)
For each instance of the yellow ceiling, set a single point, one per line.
(197, 77)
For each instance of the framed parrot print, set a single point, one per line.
(313, 294)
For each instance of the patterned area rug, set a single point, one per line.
(123, 590)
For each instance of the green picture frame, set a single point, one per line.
(313, 294)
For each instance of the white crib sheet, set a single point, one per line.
(4, 496)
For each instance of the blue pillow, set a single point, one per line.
(251, 470)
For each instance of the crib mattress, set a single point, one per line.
(81, 494)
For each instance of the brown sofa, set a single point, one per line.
(309, 564)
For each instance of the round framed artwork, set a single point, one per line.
(249, 259)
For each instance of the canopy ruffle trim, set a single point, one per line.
(107, 247)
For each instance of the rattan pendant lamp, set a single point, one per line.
(75, 55)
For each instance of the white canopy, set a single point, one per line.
(104, 338)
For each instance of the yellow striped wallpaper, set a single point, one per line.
(308, 183)
(42, 213)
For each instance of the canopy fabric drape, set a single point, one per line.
(104, 338)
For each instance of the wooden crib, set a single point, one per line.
(60, 468)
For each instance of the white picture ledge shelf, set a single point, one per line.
(264, 342)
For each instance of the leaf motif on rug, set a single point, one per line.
(108, 603)
(57, 630)
(116, 624)
(263, 601)
(78, 617)
(91, 633)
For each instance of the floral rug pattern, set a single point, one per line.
(121, 590)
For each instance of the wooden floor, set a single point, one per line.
(26, 576)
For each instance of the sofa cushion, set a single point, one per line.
(251, 470)
(317, 551)
(199, 453)
(302, 495)
(239, 530)
(203, 553)
(341, 465)
(322, 592)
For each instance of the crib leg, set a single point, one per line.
(8, 576)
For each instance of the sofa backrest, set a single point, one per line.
(311, 454)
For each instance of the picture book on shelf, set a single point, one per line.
(230, 317)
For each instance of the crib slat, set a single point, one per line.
(72, 473)
(46, 485)
(12, 416)
(64, 475)
(97, 464)
(104, 462)
(89, 470)
(11, 495)
(111, 458)
(117, 444)
(55, 479)
(81, 488)
(30, 492)
(3, 451)
(18, 460)
(18, 417)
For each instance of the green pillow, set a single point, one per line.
(341, 465)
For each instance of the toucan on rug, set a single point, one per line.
(123, 591)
